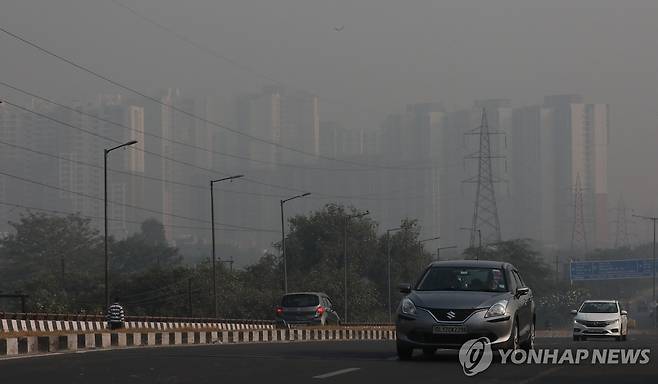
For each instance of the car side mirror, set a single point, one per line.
(405, 288)
(522, 291)
(574, 312)
(624, 312)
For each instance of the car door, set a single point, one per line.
(524, 308)
(333, 316)
(623, 321)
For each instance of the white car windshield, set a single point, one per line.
(598, 307)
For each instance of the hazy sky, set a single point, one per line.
(390, 53)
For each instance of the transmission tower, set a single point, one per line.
(485, 216)
(622, 237)
(578, 233)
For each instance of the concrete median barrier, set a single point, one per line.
(63, 341)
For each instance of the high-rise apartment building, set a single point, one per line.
(581, 145)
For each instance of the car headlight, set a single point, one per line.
(497, 309)
(615, 321)
(579, 322)
(408, 307)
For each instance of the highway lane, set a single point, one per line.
(337, 362)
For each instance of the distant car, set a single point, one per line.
(456, 301)
(600, 318)
(312, 308)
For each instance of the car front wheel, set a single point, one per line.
(530, 342)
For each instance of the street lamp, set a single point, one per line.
(420, 244)
(420, 248)
(477, 255)
(347, 220)
(438, 251)
(283, 241)
(388, 268)
(106, 152)
(212, 230)
(653, 304)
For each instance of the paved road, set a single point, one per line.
(337, 362)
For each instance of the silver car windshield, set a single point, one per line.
(600, 307)
(463, 279)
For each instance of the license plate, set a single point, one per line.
(450, 329)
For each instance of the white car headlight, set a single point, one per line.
(408, 307)
(497, 309)
(615, 321)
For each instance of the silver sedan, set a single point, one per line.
(455, 301)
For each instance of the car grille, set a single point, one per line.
(594, 323)
(447, 339)
(448, 314)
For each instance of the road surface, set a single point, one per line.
(311, 362)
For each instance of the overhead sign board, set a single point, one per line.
(611, 269)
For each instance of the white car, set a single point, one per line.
(600, 318)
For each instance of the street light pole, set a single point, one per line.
(106, 153)
(653, 268)
(420, 246)
(347, 220)
(388, 269)
(212, 230)
(283, 241)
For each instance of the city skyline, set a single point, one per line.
(177, 154)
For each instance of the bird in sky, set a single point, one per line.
(340, 28)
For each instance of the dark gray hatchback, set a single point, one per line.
(455, 301)
(312, 308)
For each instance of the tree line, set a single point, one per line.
(58, 261)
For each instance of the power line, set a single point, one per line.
(132, 174)
(129, 205)
(234, 156)
(172, 107)
(367, 197)
(318, 194)
(215, 53)
(55, 211)
(191, 165)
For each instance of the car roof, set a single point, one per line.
(307, 293)
(472, 263)
(600, 301)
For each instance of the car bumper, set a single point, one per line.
(418, 332)
(607, 331)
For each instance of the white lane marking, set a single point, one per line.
(95, 350)
(540, 375)
(392, 358)
(335, 373)
(30, 356)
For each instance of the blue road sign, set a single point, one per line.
(611, 269)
